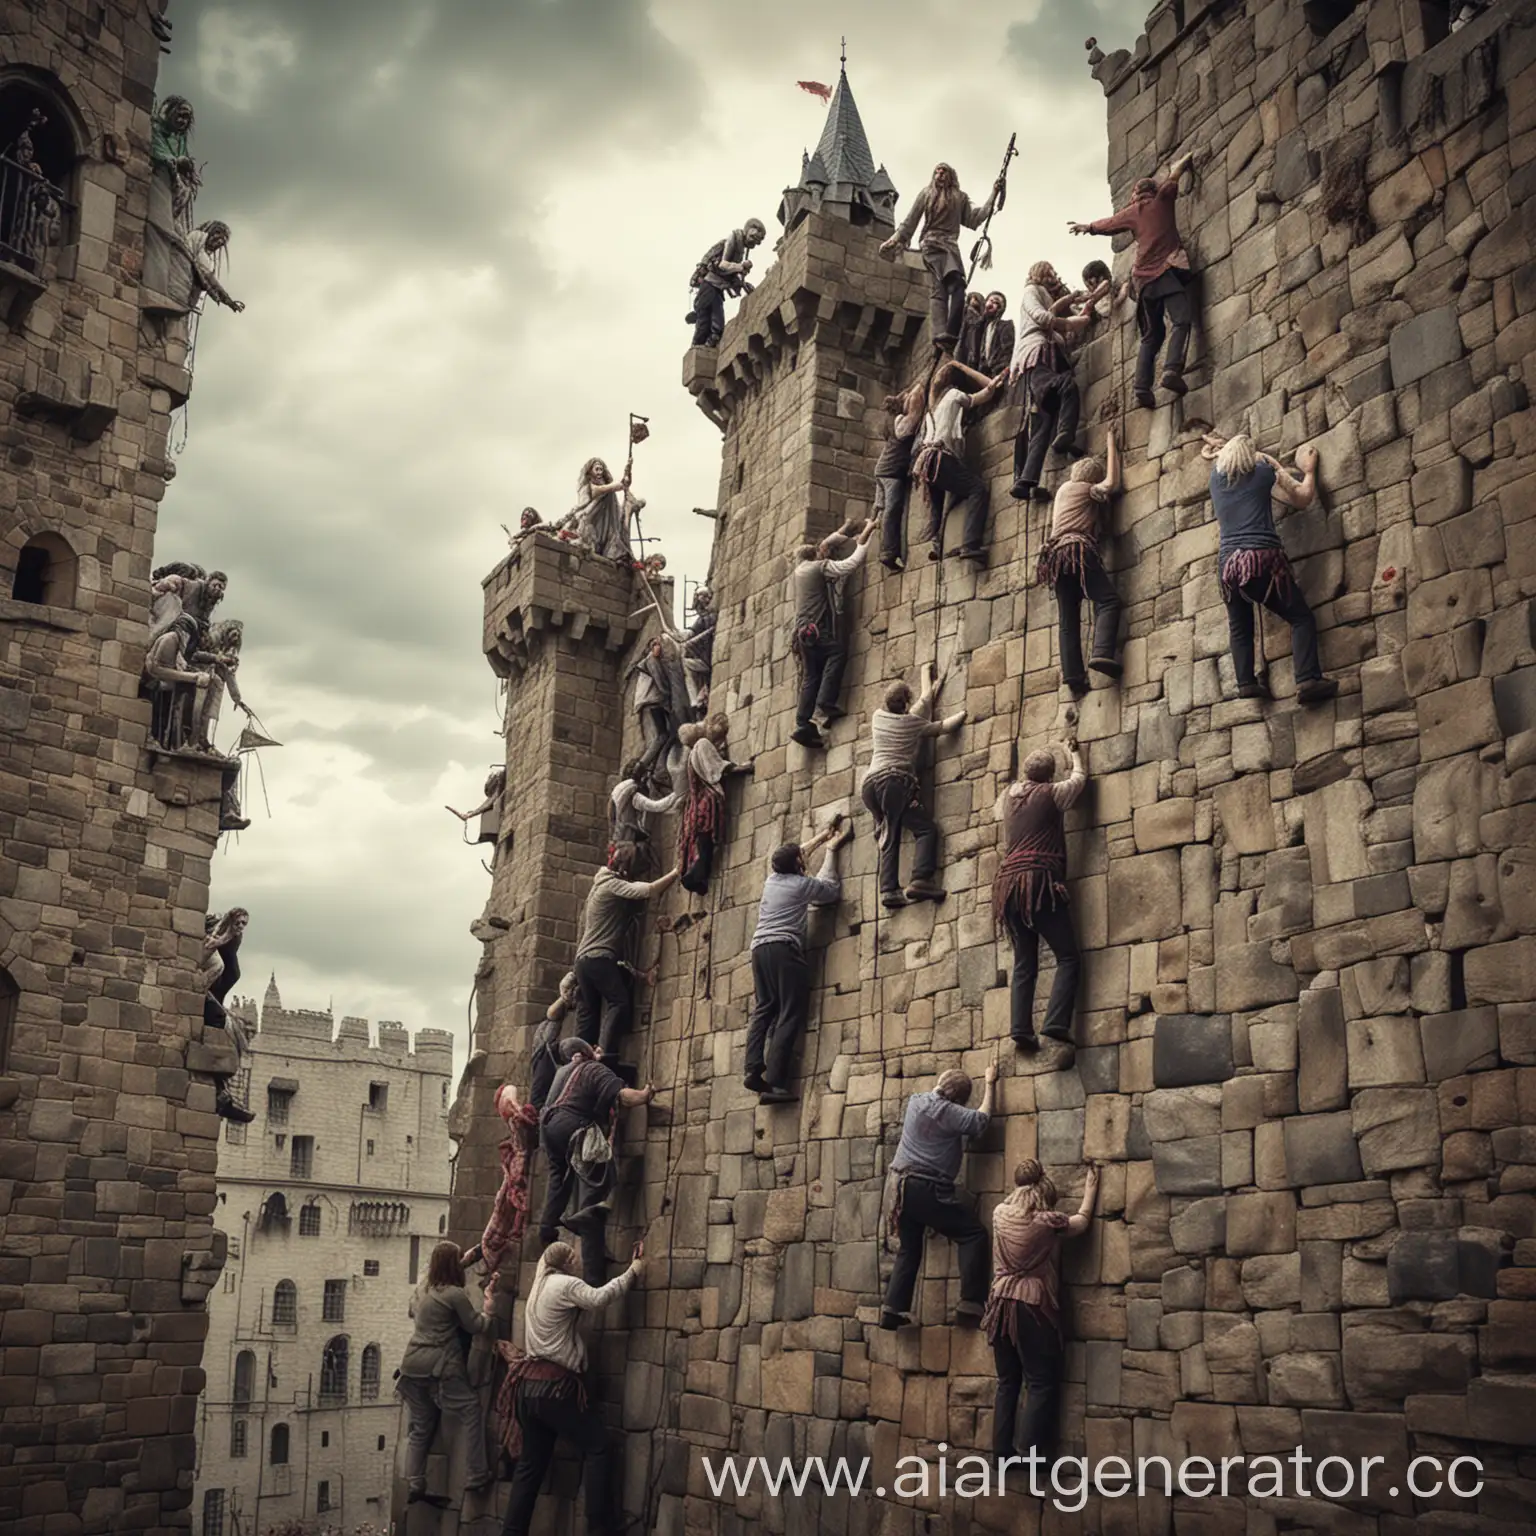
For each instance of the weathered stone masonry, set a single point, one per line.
(1308, 1042)
(107, 1139)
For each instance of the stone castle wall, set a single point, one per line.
(107, 1138)
(1306, 1031)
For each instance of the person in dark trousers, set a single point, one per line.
(941, 466)
(1029, 893)
(994, 338)
(543, 1397)
(1161, 275)
(1071, 564)
(434, 1379)
(1044, 379)
(585, 1093)
(605, 953)
(781, 974)
(934, 1131)
(707, 764)
(1023, 1317)
(820, 640)
(1253, 564)
(892, 791)
(722, 270)
(891, 471)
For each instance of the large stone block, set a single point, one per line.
(1457, 719)
(1144, 897)
(1502, 973)
(1247, 976)
(1261, 1223)
(1427, 342)
(1321, 1149)
(1247, 813)
(1396, 1128)
(1191, 1167)
(1381, 1368)
(1191, 1048)
(1164, 824)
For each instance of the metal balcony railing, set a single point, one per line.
(33, 215)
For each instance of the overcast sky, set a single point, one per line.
(463, 231)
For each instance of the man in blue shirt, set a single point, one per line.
(934, 1131)
(781, 975)
(1253, 566)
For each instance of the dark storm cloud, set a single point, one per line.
(428, 123)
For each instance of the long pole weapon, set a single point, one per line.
(981, 252)
(639, 430)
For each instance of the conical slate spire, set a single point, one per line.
(840, 177)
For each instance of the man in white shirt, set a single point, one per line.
(819, 639)
(892, 790)
(941, 464)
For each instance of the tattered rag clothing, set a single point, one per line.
(509, 1214)
(1026, 1259)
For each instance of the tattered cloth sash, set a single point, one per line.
(1033, 873)
(1245, 565)
(536, 1378)
(1066, 556)
(509, 1214)
(925, 472)
(703, 815)
(874, 797)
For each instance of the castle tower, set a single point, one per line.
(108, 1135)
(1305, 1024)
(560, 631)
(840, 178)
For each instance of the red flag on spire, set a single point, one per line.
(816, 88)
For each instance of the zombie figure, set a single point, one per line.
(489, 809)
(1161, 275)
(892, 790)
(970, 331)
(1029, 893)
(934, 1130)
(994, 338)
(942, 209)
(630, 808)
(1072, 565)
(941, 466)
(220, 971)
(722, 270)
(527, 525)
(1043, 376)
(699, 648)
(1254, 569)
(603, 511)
(221, 660)
(171, 684)
(509, 1211)
(661, 702)
(707, 762)
(544, 1060)
(820, 637)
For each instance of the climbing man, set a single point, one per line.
(941, 464)
(892, 790)
(820, 640)
(586, 1094)
(994, 341)
(604, 964)
(1050, 403)
(1029, 892)
(1253, 564)
(934, 1131)
(722, 270)
(781, 974)
(942, 209)
(1161, 275)
(891, 471)
(1071, 564)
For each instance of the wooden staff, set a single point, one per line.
(981, 252)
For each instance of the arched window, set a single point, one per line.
(309, 1220)
(285, 1304)
(277, 1452)
(38, 155)
(245, 1377)
(46, 571)
(333, 1372)
(10, 1000)
(274, 1212)
(368, 1374)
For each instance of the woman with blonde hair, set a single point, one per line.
(543, 1398)
(1023, 1316)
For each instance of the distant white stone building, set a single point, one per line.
(332, 1200)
